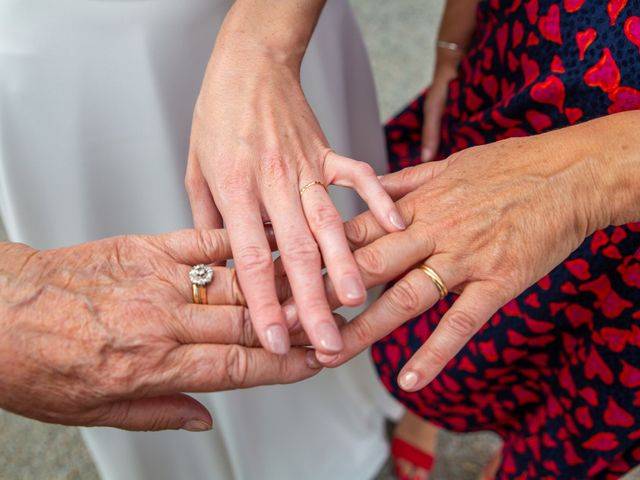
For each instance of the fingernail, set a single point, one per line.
(312, 361)
(290, 315)
(325, 359)
(353, 288)
(330, 339)
(426, 154)
(278, 339)
(397, 221)
(408, 380)
(196, 426)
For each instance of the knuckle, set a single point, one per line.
(356, 231)
(286, 373)
(363, 169)
(236, 183)
(274, 166)
(438, 356)
(118, 413)
(208, 243)
(370, 262)
(362, 331)
(254, 259)
(190, 180)
(236, 363)
(460, 323)
(326, 217)
(302, 249)
(237, 296)
(248, 334)
(403, 298)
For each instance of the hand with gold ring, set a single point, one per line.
(105, 333)
(486, 224)
(258, 153)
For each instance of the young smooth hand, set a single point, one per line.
(259, 155)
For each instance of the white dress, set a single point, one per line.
(96, 98)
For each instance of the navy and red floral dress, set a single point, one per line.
(556, 372)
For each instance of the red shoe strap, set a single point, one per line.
(404, 450)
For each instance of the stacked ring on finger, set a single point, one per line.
(200, 276)
(435, 278)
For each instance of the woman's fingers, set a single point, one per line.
(212, 368)
(302, 263)
(219, 324)
(203, 209)
(171, 412)
(472, 310)
(435, 102)
(254, 265)
(361, 176)
(410, 296)
(192, 247)
(405, 181)
(364, 228)
(327, 228)
(387, 257)
(224, 288)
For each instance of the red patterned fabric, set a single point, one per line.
(556, 372)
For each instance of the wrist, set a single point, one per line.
(616, 166)
(239, 47)
(276, 33)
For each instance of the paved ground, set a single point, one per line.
(400, 36)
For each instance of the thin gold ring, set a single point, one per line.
(311, 184)
(436, 279)
(199, 295)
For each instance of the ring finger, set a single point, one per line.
(224, 288)
(327, 228)
(410, 296)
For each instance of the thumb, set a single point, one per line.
(173, 412)
(408, 179)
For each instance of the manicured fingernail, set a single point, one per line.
(325, 359)
(278, 339)
(408, 380)
(290, 315)
(330, 339)
(196, 426)
(397, 221)
(353, 288)
(312, 361)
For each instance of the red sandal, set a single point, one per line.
(402, 450)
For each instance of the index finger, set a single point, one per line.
(461, 322)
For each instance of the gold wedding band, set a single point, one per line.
(200, 276)
(199, 295)
(311, 184)
(436, 279)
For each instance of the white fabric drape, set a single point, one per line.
(96, 98)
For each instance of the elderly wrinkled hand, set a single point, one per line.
(487, 222)
(106, 333)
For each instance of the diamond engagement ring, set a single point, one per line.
(200, 276)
